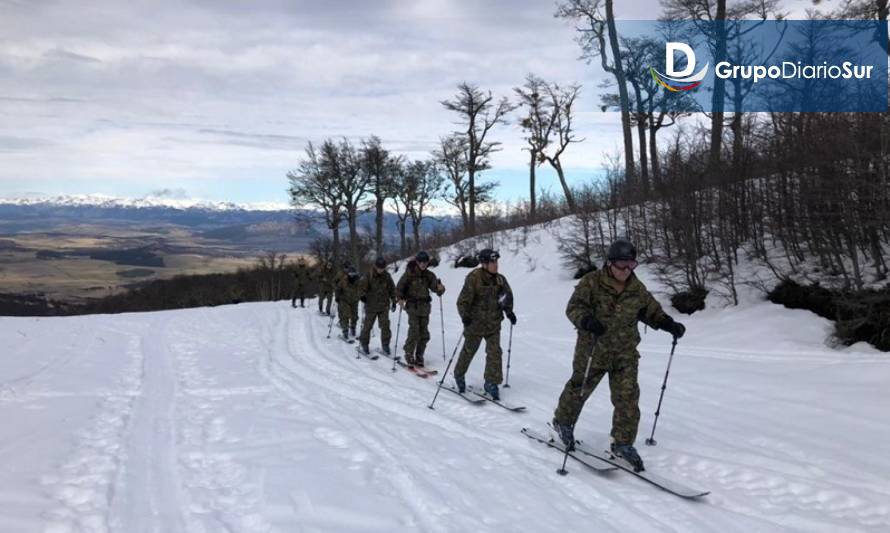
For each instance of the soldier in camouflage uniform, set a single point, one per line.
(327, 282)
(302, 278)
(378, 292)
(413, 292)
(605, 309)
(347, 297)
(483, 302)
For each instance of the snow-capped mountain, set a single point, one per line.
(150, 201)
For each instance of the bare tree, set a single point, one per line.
(452, 159)
(537, 123)
(342, 162)
(713, 17)
(424, 181)
(478, 112)
(595, 27)
(403, 202)
(561, 103)
(379, 166)
(313, 185)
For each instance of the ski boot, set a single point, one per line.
(352, 332)
(492, 390)
(365, 348)
(409, 361)
(565, 432)
(461, 384)
(629, 454)
(345, 334)
(418, 359)
(385, 349)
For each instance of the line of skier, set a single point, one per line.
(605, 308)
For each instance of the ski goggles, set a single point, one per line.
(625, 264)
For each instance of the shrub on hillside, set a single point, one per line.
(466, 261)
(688, 302)
(858, 315)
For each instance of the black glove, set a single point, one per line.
(674, 328)
(393, 307)
(467, 321)
(511, 316)
(591, 324)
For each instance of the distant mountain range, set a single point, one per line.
(255, 226)
(101, 200)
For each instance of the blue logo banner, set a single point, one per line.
(757, 66)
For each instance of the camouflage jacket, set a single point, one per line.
(347, 292)
(483, 300)
(379, 291)
(302, 276)
(327, 279)
(414, 287)
(597, 295)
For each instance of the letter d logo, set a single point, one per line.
(669, 59)
(679, 80)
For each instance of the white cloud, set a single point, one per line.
(151, 91)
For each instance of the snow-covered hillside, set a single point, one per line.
(246, 418)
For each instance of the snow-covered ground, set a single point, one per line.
(246, 418)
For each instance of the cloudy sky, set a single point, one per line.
(217, 98)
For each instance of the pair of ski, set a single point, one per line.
(417, 371)
(604, 461)
(479, 397)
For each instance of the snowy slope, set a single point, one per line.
(247, 419)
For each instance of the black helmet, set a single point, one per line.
(380, 262)
(622, 250)
(487, 256)
(351, 272)
(422, 257)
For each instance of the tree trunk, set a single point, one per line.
(335, 235)
(531, 182)
(717, 97)
(570, 199)
(415, 225)
(403, 244)
(641, 134)
(653, 154)
(378, 236)
(630, 170)
(353, 236)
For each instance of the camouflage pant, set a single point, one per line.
(382, 318)
(348, 312)
(325, 296)
(623, 386)
(298, 294)
(418, 336)
(493, 355)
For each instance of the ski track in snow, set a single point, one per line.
(246, 419)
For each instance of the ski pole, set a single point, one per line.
(445, 374)
(509, 349)
(331, 323)
(562, 471)
(651, 440)
(442, 320)
(395, 346)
